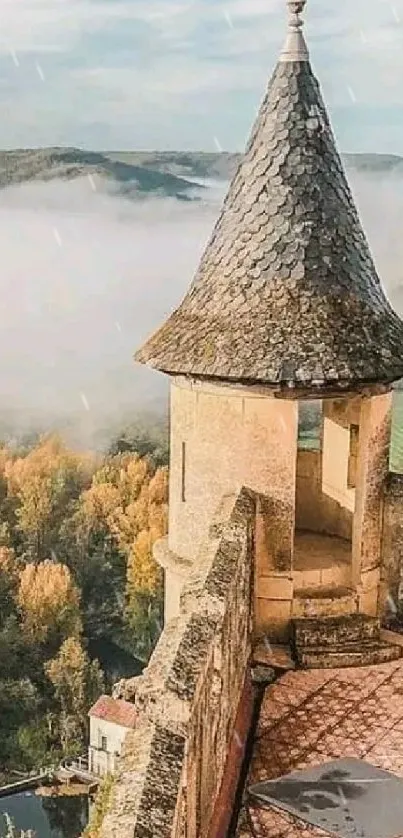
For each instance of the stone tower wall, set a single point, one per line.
(223, 438)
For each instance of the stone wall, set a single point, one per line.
(174, 763)
(315, 510)
(223, 438)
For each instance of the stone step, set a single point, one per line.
(308, 632)
(323, 602)
(362, 654)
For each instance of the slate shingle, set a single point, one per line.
(287, 293)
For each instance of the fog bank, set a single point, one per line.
(87, 275)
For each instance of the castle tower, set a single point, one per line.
(286, 306)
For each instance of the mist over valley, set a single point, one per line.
(98, 249)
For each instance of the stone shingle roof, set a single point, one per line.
(287, 292)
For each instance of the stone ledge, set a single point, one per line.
(169, 560)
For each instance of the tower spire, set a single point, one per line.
(287, 294)
(295, 48)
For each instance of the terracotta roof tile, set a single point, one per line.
(114, 710)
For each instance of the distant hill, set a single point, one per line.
(137, 174)
(223, 165)
(45, 164)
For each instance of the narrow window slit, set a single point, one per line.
(183, 495)
(352, 459)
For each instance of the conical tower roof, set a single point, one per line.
(286, 293)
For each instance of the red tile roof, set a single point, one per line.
(114, 710)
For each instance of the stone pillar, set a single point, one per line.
(392, 545)
(274, 537)
(338, 416)
(371, 474)
(176, 571)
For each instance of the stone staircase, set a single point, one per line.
(323, 602)
(324, 642)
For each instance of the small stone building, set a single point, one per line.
(110, 720)
(286, 306)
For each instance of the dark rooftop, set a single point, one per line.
(287, 293)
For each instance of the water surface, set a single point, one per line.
(47, 817)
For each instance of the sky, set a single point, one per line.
(189, 74)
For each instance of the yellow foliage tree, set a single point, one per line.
(48, 601)
(133, 500)
(140, 524)
(44, 482)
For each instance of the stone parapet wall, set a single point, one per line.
(173, 764)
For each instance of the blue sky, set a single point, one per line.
(189, 74)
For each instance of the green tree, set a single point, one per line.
(99, 566)
(19, 702)
(77, 682)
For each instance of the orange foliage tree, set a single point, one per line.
(132, 499)
(49, 601)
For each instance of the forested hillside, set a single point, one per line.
(138, 174)
(76, 564)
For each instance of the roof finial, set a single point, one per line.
(295, 48)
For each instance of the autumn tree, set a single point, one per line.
(49, 602)
(77, 683)
(45, 484)
(93, 554)
(144, 582)
(117, 522)
(9, 580)
(76, 541)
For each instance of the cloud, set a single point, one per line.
(87, 276)
(176, 73)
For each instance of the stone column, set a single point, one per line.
(274, 535)
(372, 471)
(392, 544)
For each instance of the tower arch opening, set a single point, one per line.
(325, 493)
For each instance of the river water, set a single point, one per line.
(47, 817)
(62, 816)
